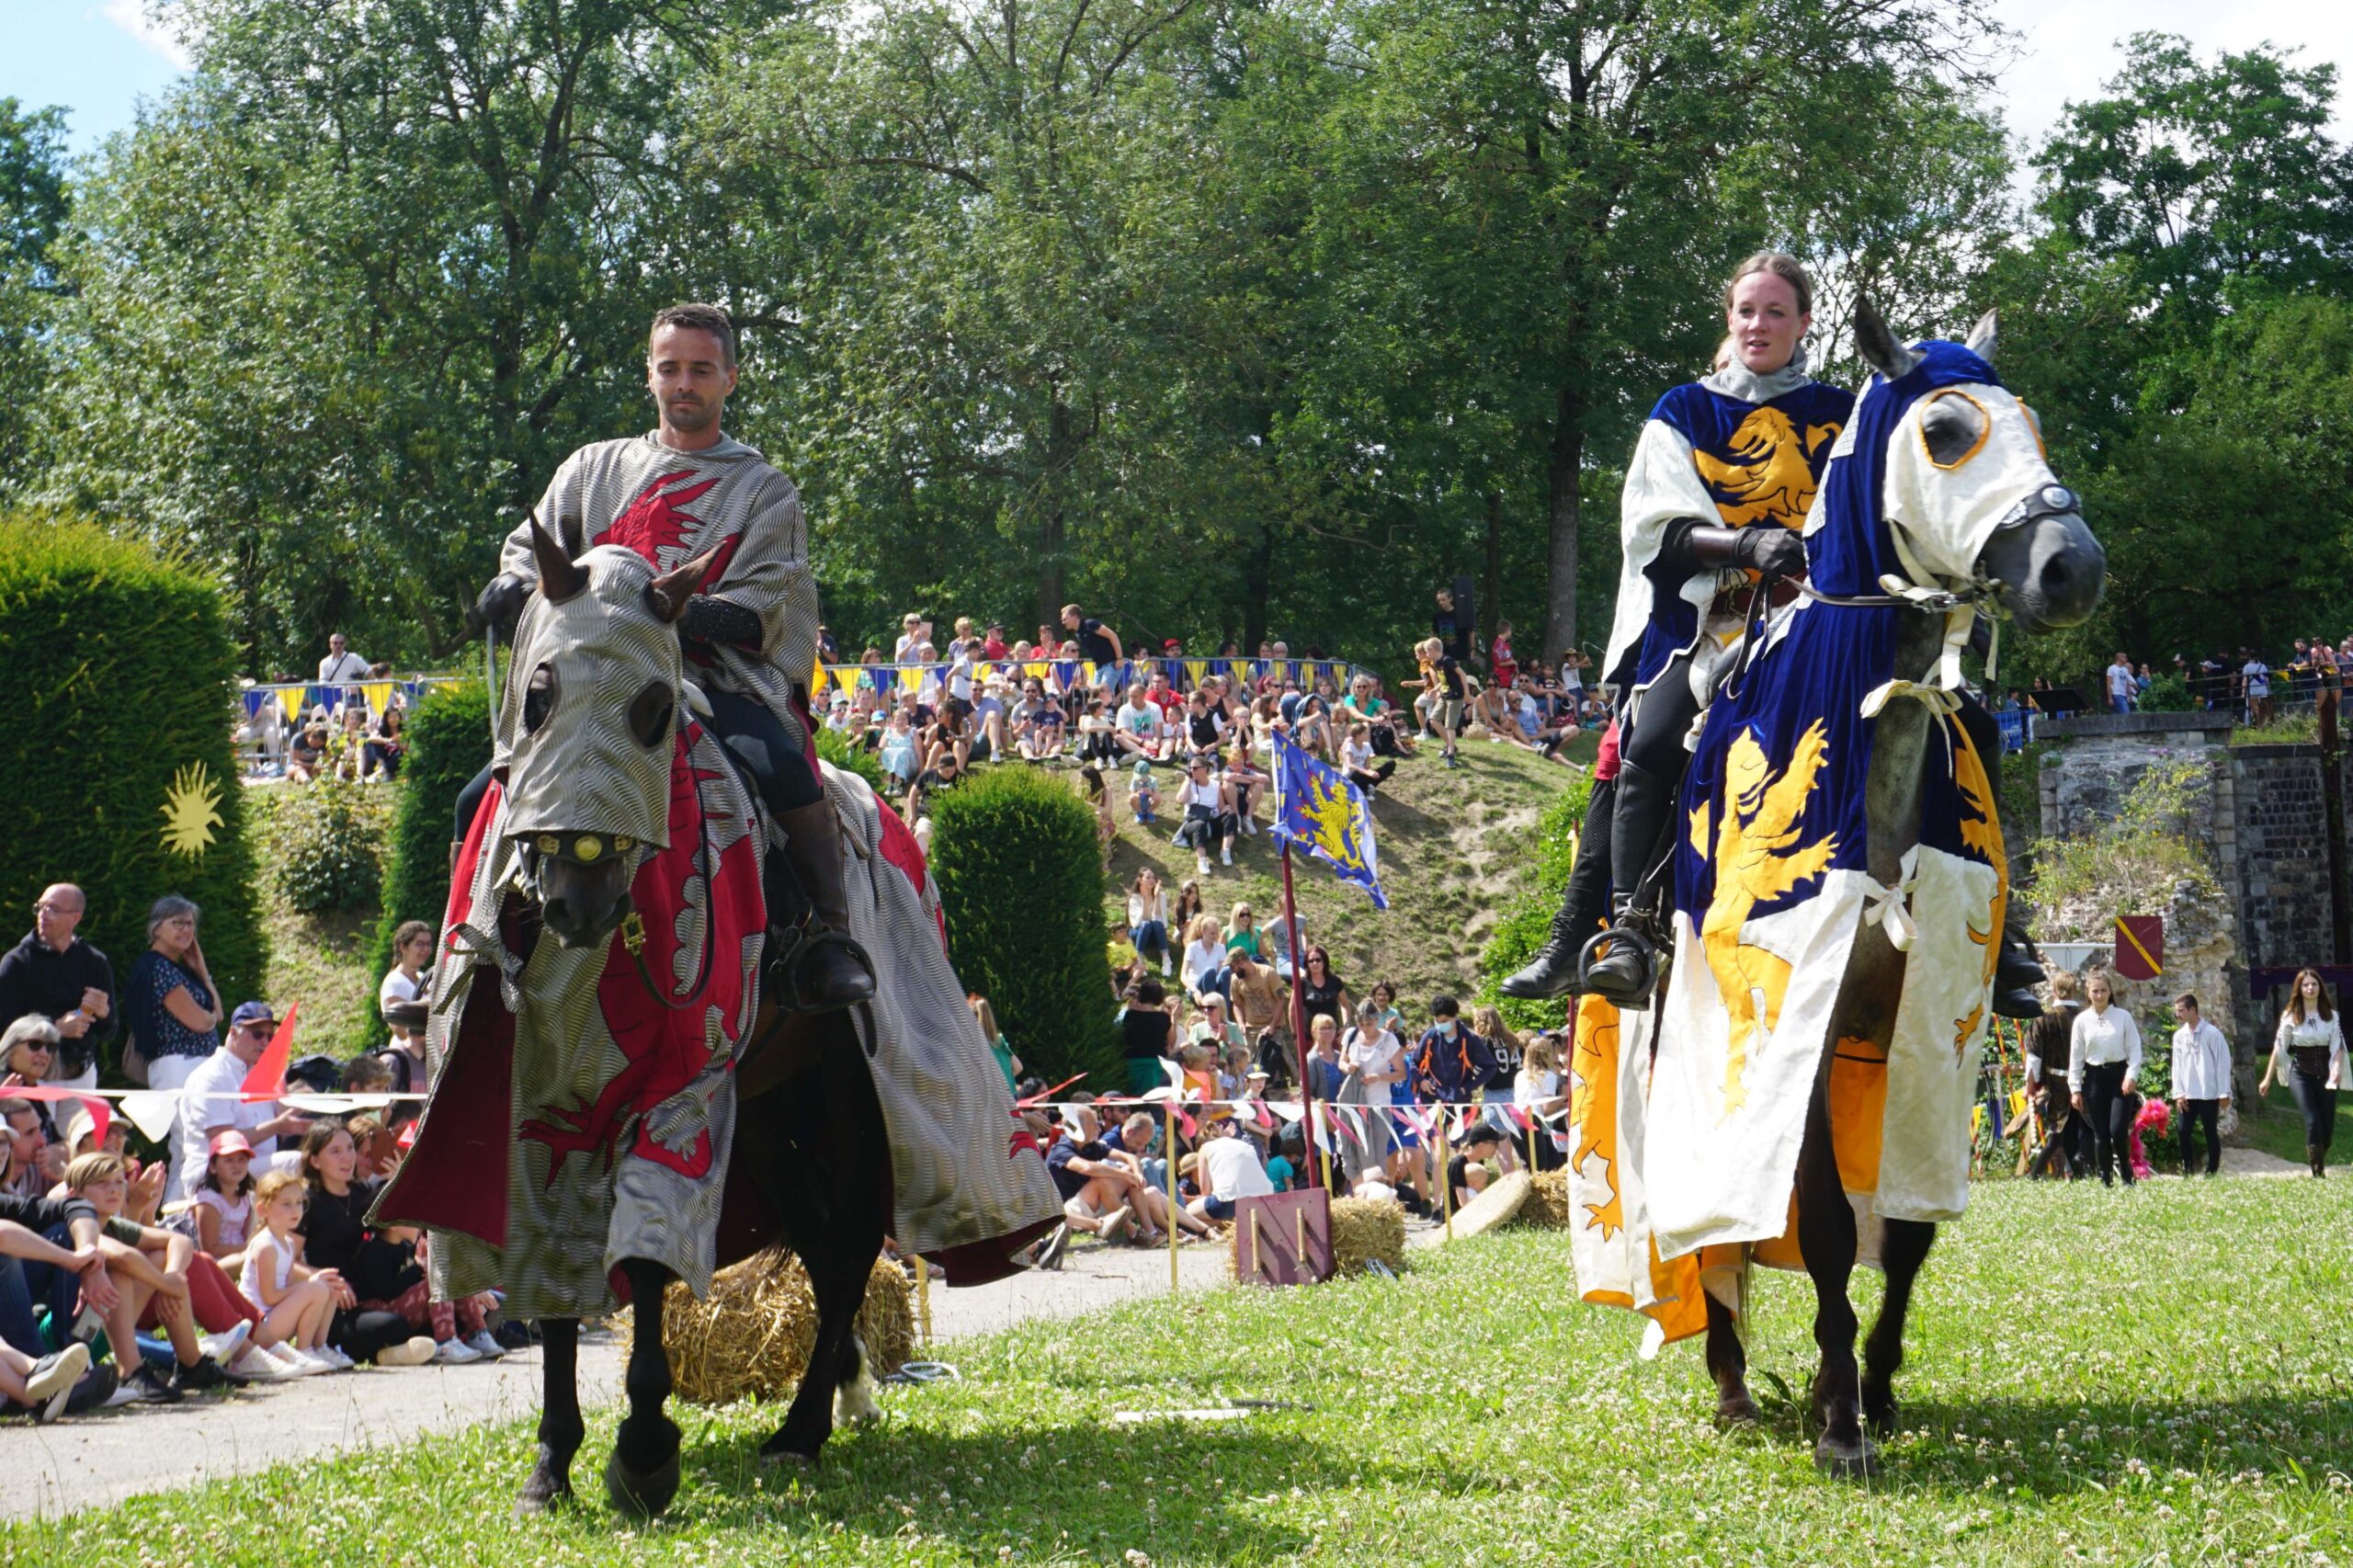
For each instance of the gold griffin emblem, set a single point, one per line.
(1770, 475)
(1758, 858)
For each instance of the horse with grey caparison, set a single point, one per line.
(1955, 514)
(611, 1066)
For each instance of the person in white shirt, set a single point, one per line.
(2308, 1052)
(341, 666)
(2103, 1072)
(1228, 1168)
(2201, 1083)
(2120, 686)
(212, 1102)
(1137, 722)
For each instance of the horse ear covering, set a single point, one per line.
(559, 576)
(668, 594)
(1879, 346)
(1981, 337)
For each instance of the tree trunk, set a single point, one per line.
(1491, 587)
(1564, 468)
(1253, 591)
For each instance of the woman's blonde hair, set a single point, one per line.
(1202, 926)
(1781, 264)
(1540, 1056)
(987, 1015)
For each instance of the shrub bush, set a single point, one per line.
(834, 747)
(328, 841)
(2167, 693)
(115, 751)
(1019, 871)
(449, 740)
(1523, 929)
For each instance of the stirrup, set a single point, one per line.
(1640, 950)
(794, 948)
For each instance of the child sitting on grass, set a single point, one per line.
(1143, 794)
(224, 1204)
(150, 1271)
(297, 1303)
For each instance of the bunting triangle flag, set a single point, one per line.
(266, 1078)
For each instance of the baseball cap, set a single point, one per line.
(252, 1012)
(230, 1141)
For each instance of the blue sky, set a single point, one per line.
(98, 57)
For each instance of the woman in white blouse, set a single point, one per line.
(2103, 1070)
(2308, 1052)
(2201, 1084)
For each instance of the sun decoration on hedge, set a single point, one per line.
(190, 810)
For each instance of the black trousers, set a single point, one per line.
(749, 729)
(2197, 1114)
(2318, 1102)
(2109, 1110)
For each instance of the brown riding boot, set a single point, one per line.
(828, 969)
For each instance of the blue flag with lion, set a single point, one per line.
(1317, 810)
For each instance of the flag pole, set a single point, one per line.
(1298, 1004)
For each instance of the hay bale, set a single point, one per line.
(753, 1338)
(886, 1319)
(1364, 1229)
(1492, 1208)
(1546, 1208)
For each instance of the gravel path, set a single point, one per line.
(96, 1460)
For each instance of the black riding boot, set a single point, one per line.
(1584, 906)
(1626, 970)
(2019, 969)
(827, 969)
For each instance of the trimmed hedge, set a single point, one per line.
(1021, 875)
(120, 696)
(328, 838)
(449, 740)
(1523, 930)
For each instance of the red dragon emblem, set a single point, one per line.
(656, 519)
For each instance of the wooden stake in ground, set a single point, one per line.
(923, 1296)
(1445, 1184)
(1175, 1199)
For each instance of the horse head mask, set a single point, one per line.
(586, 754)
(1970, 496)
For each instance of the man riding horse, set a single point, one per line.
(681, 493)
(1745, 448)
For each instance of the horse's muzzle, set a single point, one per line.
(583, 904)
(2052, 569)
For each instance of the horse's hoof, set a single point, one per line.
(787, 1458)
(644, 1497)
(549, 1484)
(1858, 1461)
(1739, 1411)
(1879, 1415)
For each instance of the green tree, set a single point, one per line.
(34, 208)
(351, 293)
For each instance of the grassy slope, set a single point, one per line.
(1454, 852)
(319, 960)
(2098, 1377)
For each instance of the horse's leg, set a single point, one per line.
(560, 1426)
(642, 1475)
(1728, 1364)
(1904, 1246)
(1827, 1235)
(835, 1188)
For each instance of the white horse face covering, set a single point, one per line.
(584, 767)
(1944, 504)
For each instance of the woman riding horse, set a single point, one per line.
(1745, 446)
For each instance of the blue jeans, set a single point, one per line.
(25, 1285)
(1150, 938)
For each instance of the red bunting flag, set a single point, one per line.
(2139, 946)
(267, 1080)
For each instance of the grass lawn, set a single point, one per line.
(1455, 850)
(2157, 1376)
(2275, 1125)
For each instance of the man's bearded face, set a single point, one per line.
(686, 370)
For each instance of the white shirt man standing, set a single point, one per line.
(341, 666)
(2120, 686)
(212, 1101)
(2201, 1083)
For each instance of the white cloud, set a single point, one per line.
(135, 18)
(2069, 49)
